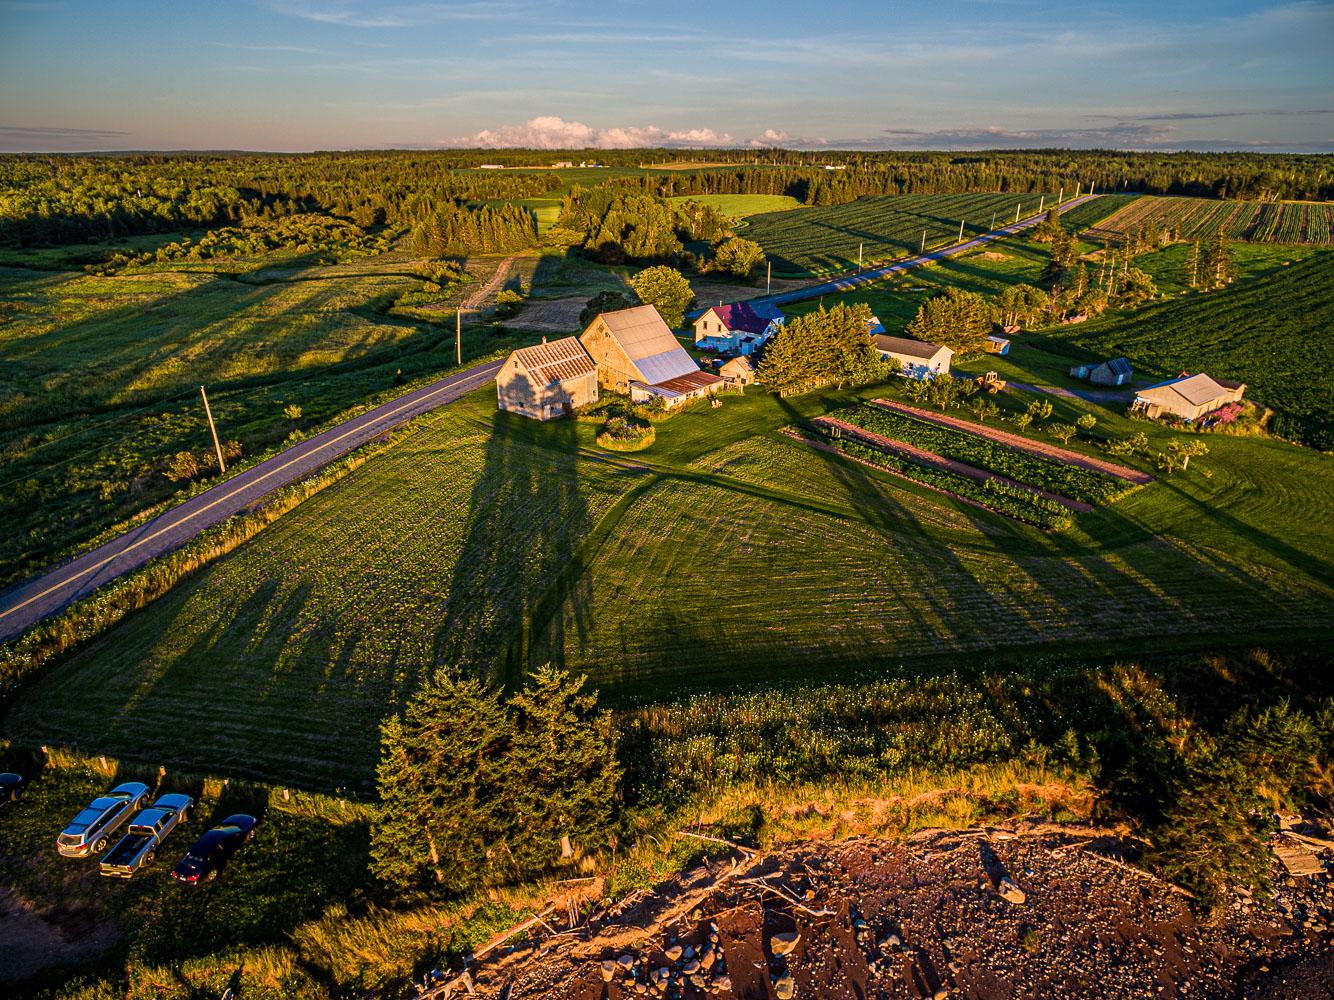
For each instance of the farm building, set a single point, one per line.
(1115, 372)
(1081, 371)
(547, 380)
(1187, 396)
(874, 326)
(740, 371)
(741, 327)
(636, 353)
(997, 345)
(919, 359)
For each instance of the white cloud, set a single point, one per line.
(551, 132)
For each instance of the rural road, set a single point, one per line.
(28, 603)
(889, 270)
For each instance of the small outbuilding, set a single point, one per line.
(1187, 396)
(919, 359)
(547, 380)
(1116, 372)
(997, 345)
(742, 327)
(740, 371)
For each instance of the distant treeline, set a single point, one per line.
(52, 199)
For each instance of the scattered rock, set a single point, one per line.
(1010, 892)
(785, 988)
(940, 994)
(784, 943)
(707, 958)
(723, 984)
(626, 962)
(608, 970)
(673, 952)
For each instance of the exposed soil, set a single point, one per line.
(35, 939)
(948, 464)
(982, 914)
(1021, 443)
(711, 295)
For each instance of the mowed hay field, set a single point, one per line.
(741, 205)
(821, 240)
(1201, 218)
(726, 554)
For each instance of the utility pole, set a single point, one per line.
(458, 336)
(961, 230)
(769, 279)
(1060, 198)
(859, 257)
(1016, 211)
(923, 250)
(993, 221)
(1041, 201)
(1077, 187)
(222, 466)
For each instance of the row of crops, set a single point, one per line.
(815, 241)
(1013, 501)
(1201, 218)
(1047, 474)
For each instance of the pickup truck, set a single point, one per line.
(139, 845)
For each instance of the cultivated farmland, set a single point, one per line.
(821, 240)
(1201, 218)
(726, 554)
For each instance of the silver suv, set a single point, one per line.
(89, 832)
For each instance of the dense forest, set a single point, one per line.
(617, 222)
(52, 199)
(456, 231)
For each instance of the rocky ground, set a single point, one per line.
(1027, 911)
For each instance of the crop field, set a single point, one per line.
(822, 240)
(1273, 335)
(1201, 218)
(499, 544)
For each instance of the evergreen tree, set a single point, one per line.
(1190, 270)
(959, 319)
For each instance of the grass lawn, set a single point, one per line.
(740, 205)
(499, 543)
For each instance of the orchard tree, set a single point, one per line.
(1063, 431)
(1086, 421)
(667, 290)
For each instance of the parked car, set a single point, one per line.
(90, 831)
(139, 846)
(11, 787)
(211, 851)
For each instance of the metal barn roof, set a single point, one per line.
(1194, 389)
(910, 348)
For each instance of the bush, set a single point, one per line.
(622, 434)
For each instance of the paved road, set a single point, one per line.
(28, 603)
(889, 270)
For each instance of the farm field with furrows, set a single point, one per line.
(823, 240)
(280, 661)
(99, 379)
(1201, 218)
(504, 544)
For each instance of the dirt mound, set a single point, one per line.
(981, 914)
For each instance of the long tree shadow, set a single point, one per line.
(527, 515)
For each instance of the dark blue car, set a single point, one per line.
(211, 851)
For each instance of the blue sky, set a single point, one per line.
(337, 74)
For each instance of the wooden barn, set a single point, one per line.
(1115, 372)
(547, 380)
(1187, 396)
(997, 345)
(637, 354)
(740, 371)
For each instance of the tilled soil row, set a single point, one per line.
(1020, 443)
(1030, 911)
(948, 464)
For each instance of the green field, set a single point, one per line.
(499, 544)
(821, 240)
(738, 206)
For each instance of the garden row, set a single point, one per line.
(1045, 474)
(1012, 501)
(1200, 218)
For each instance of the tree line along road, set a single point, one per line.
(26, 604)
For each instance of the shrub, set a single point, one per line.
(622, 434)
